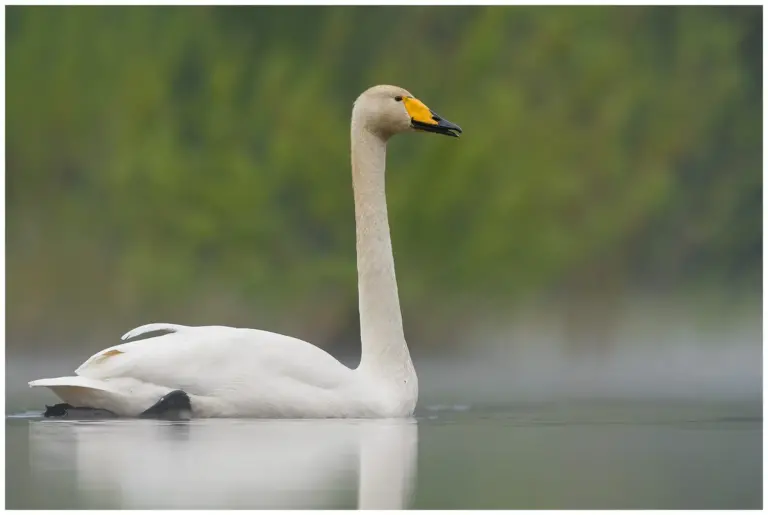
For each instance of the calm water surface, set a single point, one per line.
(620, 454)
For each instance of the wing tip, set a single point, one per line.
(148, 328)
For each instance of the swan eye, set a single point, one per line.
(398, 98)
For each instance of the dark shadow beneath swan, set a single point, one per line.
(68, 411)
(173, 406)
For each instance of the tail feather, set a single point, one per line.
(79, 391)
(123, 396)
(73, 381)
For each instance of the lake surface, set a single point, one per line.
(565, 454)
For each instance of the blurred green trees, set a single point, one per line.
(159, 158)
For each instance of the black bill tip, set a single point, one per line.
(443, 126)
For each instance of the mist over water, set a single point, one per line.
(649, 349)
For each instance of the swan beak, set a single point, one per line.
(424, 119)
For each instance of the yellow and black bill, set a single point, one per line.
(424, 119)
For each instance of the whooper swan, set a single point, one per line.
(216, 371)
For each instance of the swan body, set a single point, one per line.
(234, 372)
(228, 372)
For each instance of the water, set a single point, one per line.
(564, 454)
(652, 416)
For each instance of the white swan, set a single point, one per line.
(231, 372)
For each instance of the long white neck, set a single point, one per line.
(384, 349)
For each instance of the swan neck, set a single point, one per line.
(381, 326)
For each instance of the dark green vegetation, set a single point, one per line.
(192, 164)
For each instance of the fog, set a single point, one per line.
(645, 350)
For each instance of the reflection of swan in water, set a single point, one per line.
(232, 463)
(388, 451)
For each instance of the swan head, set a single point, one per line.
(388, 110)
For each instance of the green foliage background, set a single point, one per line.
(192, 164)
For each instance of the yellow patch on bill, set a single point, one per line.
(418, 111)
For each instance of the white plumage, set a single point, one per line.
(227, 372)
(232, 372)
